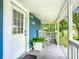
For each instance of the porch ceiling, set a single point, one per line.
(47, 11)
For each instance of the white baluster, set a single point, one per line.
(70, 52)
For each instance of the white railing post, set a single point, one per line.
(73, 49)
(77, 53)
(70, 52)
(70, 25)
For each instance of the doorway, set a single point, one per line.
(18, 31)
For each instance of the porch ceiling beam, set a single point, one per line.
(60, 10)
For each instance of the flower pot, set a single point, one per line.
(37, 46)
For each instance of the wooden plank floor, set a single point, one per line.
(51, 51)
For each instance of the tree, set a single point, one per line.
(49, 27)
(76, 21)
(62, 26)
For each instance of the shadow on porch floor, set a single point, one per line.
(51, 51)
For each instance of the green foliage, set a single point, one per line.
(63, 41)
(75, 37)
(76, 22)
(38, 39)
(76, 19)
(48, 27)
(63, 25)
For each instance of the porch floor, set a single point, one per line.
(50, 51)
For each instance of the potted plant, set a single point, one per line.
(38, 43)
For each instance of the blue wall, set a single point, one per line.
(1, 29)
(33, 28)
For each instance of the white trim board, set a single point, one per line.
(19, 5)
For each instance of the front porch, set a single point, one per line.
(24, 25)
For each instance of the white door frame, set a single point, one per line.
(16, 5)
(27, 25)
(19, 39)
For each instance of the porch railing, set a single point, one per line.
(73, 49)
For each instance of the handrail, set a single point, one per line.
(74, 42)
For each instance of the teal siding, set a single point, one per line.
(1, 29)
(34, 27)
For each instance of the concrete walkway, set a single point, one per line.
(51, 51)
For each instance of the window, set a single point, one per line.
(17, 22)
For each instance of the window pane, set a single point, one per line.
(18, 29)
(21, 22)
(21, 19)
(22, 16)
(17, 22)
(17, 18)
(14, 21)
(21, 29)
(14, 13)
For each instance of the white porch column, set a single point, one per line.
(70, 27)
(57, 32)
(7, 30)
